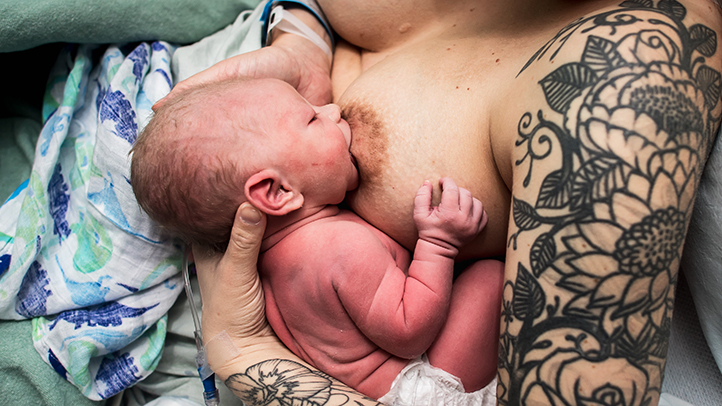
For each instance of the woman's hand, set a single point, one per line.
(231, 292)
(241, 347)
(290, 58)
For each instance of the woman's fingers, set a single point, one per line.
(246, 237)
(230, 285)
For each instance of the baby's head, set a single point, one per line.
(211, 148)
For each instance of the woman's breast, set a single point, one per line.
(415, 116)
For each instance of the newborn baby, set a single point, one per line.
(339, 293)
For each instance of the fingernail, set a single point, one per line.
(250, 215)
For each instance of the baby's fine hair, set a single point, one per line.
(185, 183)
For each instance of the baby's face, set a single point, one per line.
(314, 140)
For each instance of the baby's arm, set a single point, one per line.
(407, 312)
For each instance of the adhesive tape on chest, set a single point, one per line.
(283, 20)
(221, 349)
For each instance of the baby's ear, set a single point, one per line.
(267, 191)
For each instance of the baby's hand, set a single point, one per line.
(456, 221)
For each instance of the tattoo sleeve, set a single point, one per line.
(605, 175)
(279, 382)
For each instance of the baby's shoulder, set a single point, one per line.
(338, 238)
(340, 230)
(334, 247)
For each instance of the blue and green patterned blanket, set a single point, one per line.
(77, 255)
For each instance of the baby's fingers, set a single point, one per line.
(449, 194)
(480, 213)
(466, 202)
(422, 201)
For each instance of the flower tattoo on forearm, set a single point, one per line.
(280, 382)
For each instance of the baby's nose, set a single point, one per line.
(333, 112)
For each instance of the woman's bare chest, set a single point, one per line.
(423, 113)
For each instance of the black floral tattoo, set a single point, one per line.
(284, 382)
(632, 123)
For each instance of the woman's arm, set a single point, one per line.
(241, 347)
(289, 57)
(616, 117)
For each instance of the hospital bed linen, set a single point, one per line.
(28, 23)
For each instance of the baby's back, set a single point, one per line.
(302, 275)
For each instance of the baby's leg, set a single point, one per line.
(468, 344)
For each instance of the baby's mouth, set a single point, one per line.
(353, 160)
(350, 143)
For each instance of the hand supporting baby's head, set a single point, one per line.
(185, 167)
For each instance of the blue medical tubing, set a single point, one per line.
(210, 392)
